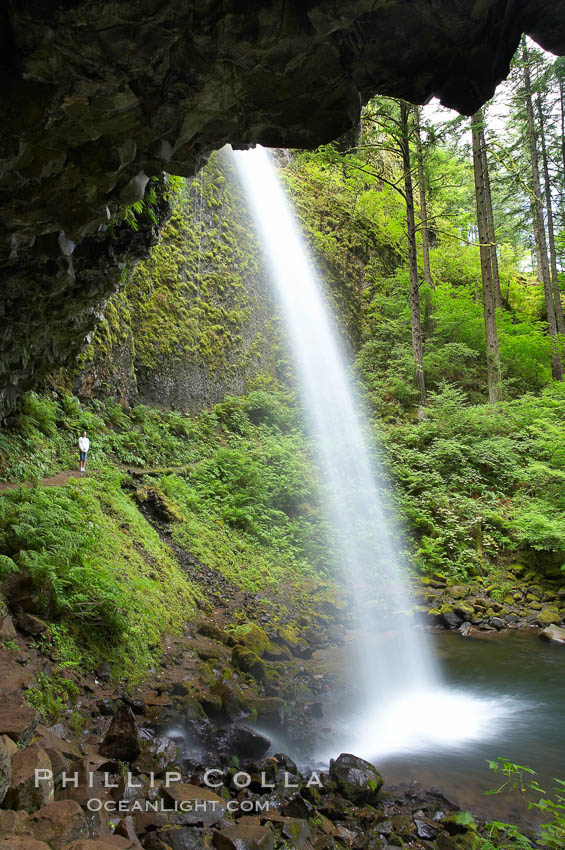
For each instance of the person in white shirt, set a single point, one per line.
(84, 445)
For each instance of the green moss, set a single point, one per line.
(192, 299)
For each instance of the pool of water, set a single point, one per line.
(504, 694)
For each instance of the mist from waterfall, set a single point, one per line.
(401, 703)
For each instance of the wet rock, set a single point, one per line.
(175, 838)
(272, 710)
(5, 770)
(451, 619)
(138, 707)
(18, 720)
(298, 807)
(52, 740)
(555, 634)
(157, 755)
(206, 810)
(244, 838)
(345, 834)
(105, 706)
(426, 829)
(296, 831)
(121, 741)
(30, 625)
(497, 622)
(233, 704)
(239, 740)
(249, 662)
(357, 780)
(59, 823)
(103, 672)
(23, 793)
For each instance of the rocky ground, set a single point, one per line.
(173, 763)
(128, 768)
(521, 598)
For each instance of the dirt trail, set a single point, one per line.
(57, 480)
(61, 478)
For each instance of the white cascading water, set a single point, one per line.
(402, 703)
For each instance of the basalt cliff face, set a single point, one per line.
(100, 96)
(195, 321)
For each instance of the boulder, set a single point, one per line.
(214, 632)
(10, 745)
(121, 741)
(5, 769)
(451, 619)
(7, 628)
(25, 792)
(458, 591)
(249, 662)
(30, 624)
(548, 617)
(272, 710)
(22, 842)
(14, 823)
(295, 830)
(233, 704)
(59, 823)
(206, 809)
(157, 755)
(245, 837)
(109, 842)
(18, 720)
(239, 740)
(357, 780)
(175, 838)
(555, 634)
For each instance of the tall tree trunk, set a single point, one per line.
(417, 346)
(539, 225)
(493, 255)
(562, 102)
(550, 226)
(489, 302)
(423, 201)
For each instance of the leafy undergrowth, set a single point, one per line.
(98, 572)
(479, 484)
(244, 501)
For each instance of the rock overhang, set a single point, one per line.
(100, 95)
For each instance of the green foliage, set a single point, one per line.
(518, 782)
(52, 695)
(99, 572)
(476, 482)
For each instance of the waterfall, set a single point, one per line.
(402, 704)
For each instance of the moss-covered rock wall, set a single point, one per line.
(196, 320)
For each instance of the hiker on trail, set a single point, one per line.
(84, 445)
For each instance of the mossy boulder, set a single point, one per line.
(548, 617)
(249, 662)
(214, 632)
(270, 709)
(233, 703)
(253, 637)
(158, 503)
(458, 591)
(356, 779)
